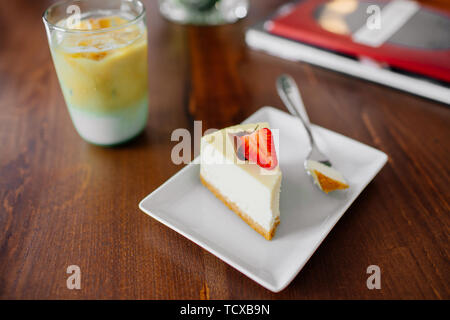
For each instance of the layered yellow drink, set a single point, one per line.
(101, 65)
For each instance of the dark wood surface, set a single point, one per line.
(65, 202)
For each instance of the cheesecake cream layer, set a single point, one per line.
(249, 190)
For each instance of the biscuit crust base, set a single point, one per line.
(327, 184)
(232, 206)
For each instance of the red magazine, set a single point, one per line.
(400, 33)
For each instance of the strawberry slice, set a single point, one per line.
(258, 147)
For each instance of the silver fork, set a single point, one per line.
(289, 93)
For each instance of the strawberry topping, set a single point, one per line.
(258, 147)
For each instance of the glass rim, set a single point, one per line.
(85, 31)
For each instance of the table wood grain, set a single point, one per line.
(64, 202)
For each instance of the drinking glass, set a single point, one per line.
(99, 50)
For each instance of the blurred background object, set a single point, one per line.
(204, 12)
(401, 43)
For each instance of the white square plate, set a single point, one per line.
(307, 215)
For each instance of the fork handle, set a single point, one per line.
(289, 93)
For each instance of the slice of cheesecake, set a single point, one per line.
(239, 166)
(325, 177)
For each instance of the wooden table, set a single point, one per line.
(64, 202)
